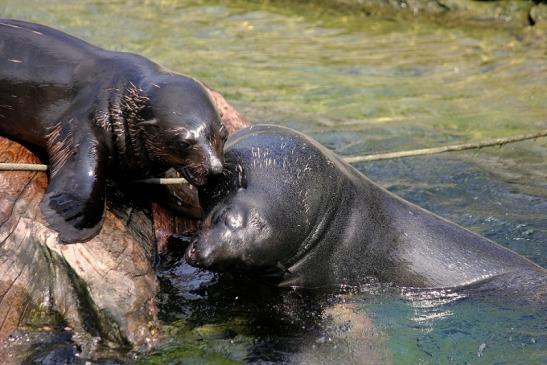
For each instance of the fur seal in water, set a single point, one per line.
(98, 113)
(292, 210)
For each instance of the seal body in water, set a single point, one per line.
(290, 209)
(98, 113)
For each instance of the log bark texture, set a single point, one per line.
(104, 288)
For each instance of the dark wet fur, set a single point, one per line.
(320, 223)
(100, 114)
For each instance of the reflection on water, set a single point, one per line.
(246, 321)
(359, 86)
(464, 331)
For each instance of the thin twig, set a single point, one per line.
(40, 167)
(450, 148)
(162, 181)
(22, 167)
(349, 159)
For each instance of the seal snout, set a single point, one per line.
(215, 165)
(213, 160)
(198, 168)
(197, 255)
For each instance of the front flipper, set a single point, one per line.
(74, 203)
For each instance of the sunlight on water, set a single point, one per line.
(358, 85)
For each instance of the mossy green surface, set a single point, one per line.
(207, 344)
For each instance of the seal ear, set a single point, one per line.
(74, 203)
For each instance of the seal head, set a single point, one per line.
(182, 128)
(249, 209)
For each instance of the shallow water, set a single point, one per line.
(359, 86)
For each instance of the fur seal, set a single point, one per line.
(98, 113)
(288, 208)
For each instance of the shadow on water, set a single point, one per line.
(243, 319)
(226, 319)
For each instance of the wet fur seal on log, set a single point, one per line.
(100, 114)
(291, 210)
(105, 288)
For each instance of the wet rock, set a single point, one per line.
(230, 117)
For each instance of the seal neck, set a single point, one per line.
(311, 241)
(293, 270)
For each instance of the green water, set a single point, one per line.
(358, 85)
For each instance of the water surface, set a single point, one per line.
(359, 86)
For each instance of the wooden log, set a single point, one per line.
(103, 289)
